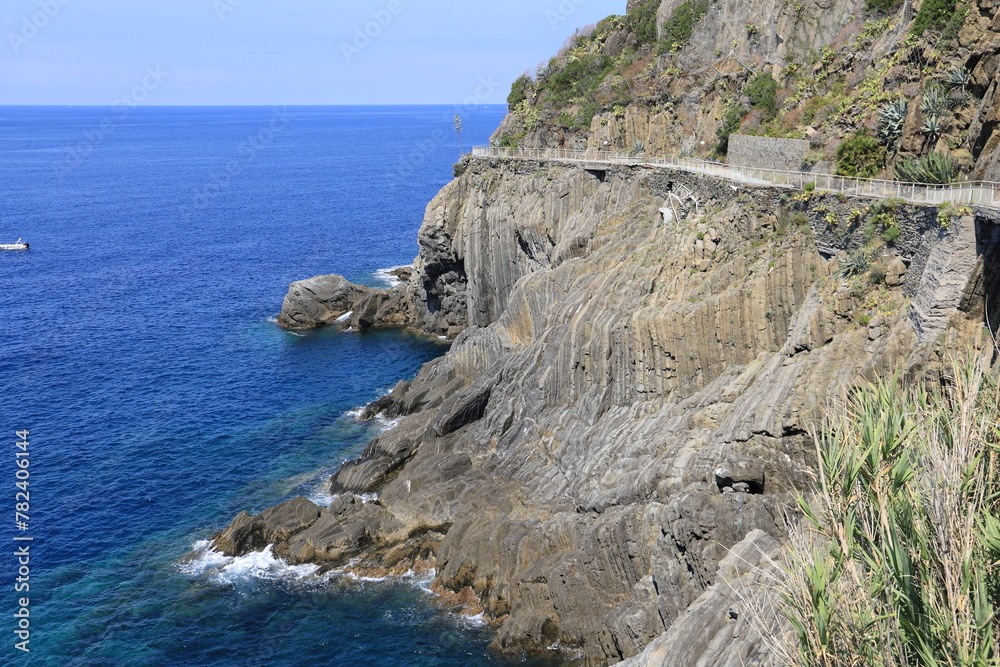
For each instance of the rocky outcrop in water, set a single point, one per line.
(332, 299)
(625, 414)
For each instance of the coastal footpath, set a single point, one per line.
(605, 461)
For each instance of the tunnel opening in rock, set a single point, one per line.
(600, 174)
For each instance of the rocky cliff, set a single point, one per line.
(631, 398)
(604, 461)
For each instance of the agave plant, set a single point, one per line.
(891, 119)
(857, 262)
(930, 168)
(958, 77)
(935, 101)
(933, 126)
(638, 147)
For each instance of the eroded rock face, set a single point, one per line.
(628, 401)
(276, 524)
(722, 627)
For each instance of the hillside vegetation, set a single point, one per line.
(895, 86)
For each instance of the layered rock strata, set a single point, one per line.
(628, 402)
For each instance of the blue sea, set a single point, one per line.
(139, 348)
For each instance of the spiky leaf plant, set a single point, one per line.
(930, 168)
(935, 101)
(857, 262)
(891, 119)
(958, 77)
(933, 127)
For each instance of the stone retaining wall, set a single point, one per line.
(767, 152)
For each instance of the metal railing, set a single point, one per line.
(983, 193)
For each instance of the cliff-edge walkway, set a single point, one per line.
(981, 193)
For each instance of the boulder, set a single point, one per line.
(895, 273)
(320, 300)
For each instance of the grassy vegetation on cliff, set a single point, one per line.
(882, 6)
(592, 72)
(896, 561)
(678, 28)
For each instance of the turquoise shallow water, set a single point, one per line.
(137, 347)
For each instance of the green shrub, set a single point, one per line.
(678, 28)
(577, 78)
(881, 6)
(511, 140)
(763, 93)
(730, 124)
(933, 14)
(860, 156)
(586, 114)
(892, 234)
(519, 91)
(954, 25)
(887, 205)
(641, 22)
(930, 168)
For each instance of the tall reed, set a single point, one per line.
(897, 558)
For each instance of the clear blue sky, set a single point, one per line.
(279, 51)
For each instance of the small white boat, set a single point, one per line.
(17, 245)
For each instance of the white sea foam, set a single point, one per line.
(206, 558)
(385, 275)
(262, 565)
(272, 320)
(367, 498)
(385, 424)
(223, 569)
(321, 495)
(382, 423)
(421, 580)
(368, 580)
(477, 621)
